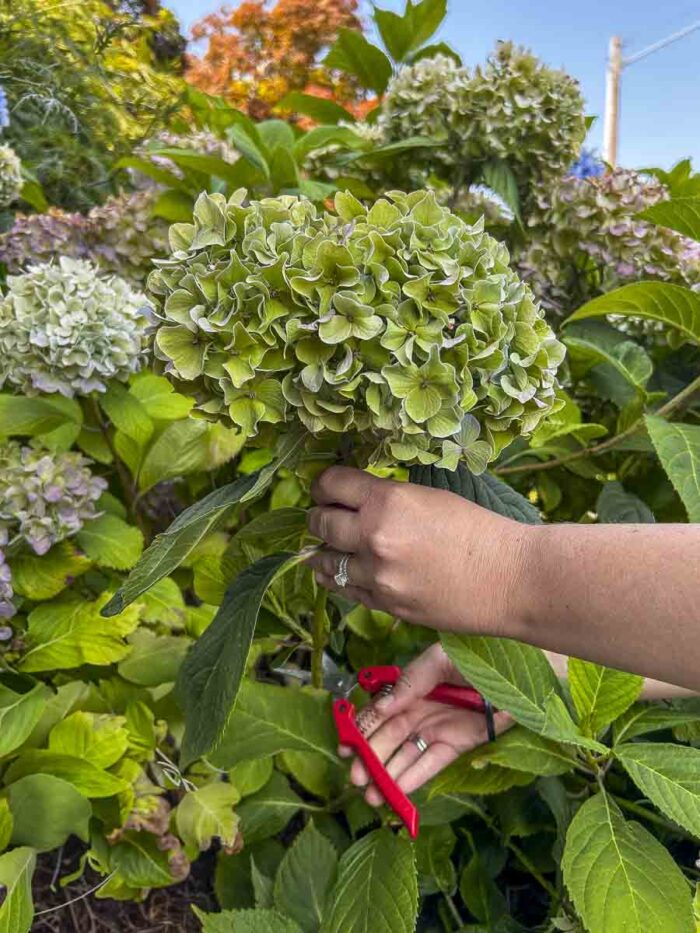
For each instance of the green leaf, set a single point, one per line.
(305, 878)
(154, 659)
(86, 778)
(111, 542)
(395, 31)
(206, 814)
(513, 676)
(523, 750)
(616, 505)
(46, 811)
(152, 170)
(250, 775)
(181, 448)
(680, 214)
(481, 894)
(669, 775)
(33, 194)
(99, 739)
(354, 55)
(126, 413)
(71, 632)
(174, 206)
(267, 813)
(499, 177)
(248, 149)
(436, 871)
(643, 718)
(210, 676)
(140, 861)
(19, 713)
(318, 108)
(485, 490)
(16, 906)
(170, 549)
(620, 877)
(29, 416)
(284, 173)
(246, 921)
(425, 17)
(658, 301)
(594, 343)
(164, 603)
(194, 161)
(467, 776)
(5, 825)
(159, 399)
(39, 578)
(377, 887)
(268, 719)
(559, 725)
(678, 448)
(601, 694)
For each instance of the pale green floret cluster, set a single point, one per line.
(11, 181)
(66, 328)
(398, 325)
(44, 496)
(513, 108)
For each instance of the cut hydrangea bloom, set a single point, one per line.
(386, 324)
(65, 328)
(44, 496)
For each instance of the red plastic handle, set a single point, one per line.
(372, 679)
(350, 735)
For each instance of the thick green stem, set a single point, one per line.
(318, 636)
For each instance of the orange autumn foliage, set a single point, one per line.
(257, 53)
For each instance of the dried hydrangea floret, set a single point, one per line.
(66, 328)
(11, 181)
(7, 607)
(44, 496)
(400, 326)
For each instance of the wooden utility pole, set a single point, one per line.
(612, 102)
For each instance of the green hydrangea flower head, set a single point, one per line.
(44, 497)
(66, 328)
(11, 180)
(397, 326)
(513, 108)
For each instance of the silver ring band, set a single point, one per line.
(419, 742)
(341, 578)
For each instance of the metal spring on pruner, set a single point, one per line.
(385, 691)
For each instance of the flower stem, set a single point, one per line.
(318, 635)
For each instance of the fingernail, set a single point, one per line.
(385, 702)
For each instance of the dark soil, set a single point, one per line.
(164, 909)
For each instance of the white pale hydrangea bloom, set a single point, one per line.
(66, 328)
(10, 176)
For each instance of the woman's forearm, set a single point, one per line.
(627, 596)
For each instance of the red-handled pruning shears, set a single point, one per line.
(376, 680)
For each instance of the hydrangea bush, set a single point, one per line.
(66, 328)
(10, 176)
(399, 325)
(584, 238)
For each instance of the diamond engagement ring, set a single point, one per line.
(419, 742)
(341, 578)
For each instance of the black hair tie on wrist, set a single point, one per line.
(490, 724)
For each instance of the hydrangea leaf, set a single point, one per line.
(17, 907)
(110, 542)
(40, 578)
(246, 921)
(305, 878)
(601, 694)
(19, 713)
(46, 811)
(206, 814)
(620, 877)
(678, 448)
(90, 780)
(160, 401)
(377, 886)
(100, 739)
(153, 659)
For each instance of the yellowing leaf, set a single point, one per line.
(110, 542)
(71, 632)
(40, 578)
(206, 814)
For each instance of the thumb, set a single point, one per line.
(419, 677)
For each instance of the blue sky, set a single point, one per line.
(660, 95)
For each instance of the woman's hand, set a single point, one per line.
(392, 722)
(424, 555)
